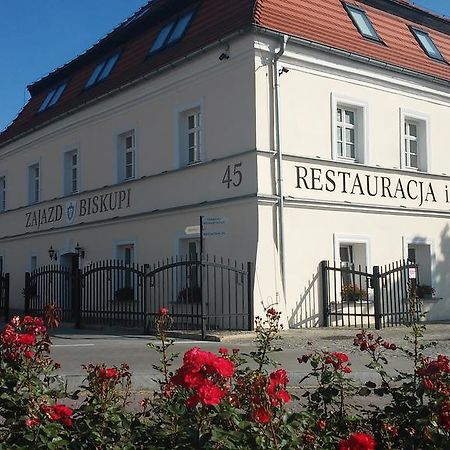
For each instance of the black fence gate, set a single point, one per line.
(51, 285)
(4, 296)
(353, 296)
(213, 294)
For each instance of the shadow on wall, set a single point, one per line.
(308, 311)
(439, 307)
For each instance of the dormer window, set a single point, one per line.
(172, 31)
(52, 97)
(102, 70)
(362, 22)
(427, 44)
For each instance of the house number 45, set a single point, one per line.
(232, 175)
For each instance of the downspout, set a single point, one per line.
(280, 181)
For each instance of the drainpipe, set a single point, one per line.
(280, 181)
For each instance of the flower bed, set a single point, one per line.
(217, 401)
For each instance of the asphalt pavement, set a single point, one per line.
(73, 348)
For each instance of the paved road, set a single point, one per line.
(73, 348)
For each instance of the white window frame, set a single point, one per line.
(68, 171)
(3, 192)
(34, 195)
(117, 245)
(350, 239)
(30, 263)
(182, 151)
(360, 108)
(422, 121)
(418, 240)
(122, 152)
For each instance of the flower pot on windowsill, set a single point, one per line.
(125, 294)
(353, 293)
(425, 292)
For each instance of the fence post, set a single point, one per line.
(325, 293)
(27, 293)
(76, 299)
(6, 291)
(203, 299)
(250, 300)
(376, 296)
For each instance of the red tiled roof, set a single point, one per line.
(321, 21)
(327, 22)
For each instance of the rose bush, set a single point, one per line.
(225, 400)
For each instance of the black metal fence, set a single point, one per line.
(4, 296)
(212, 294)
(353, 296)
(51, 284)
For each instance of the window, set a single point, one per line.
(33, 263)
(34, 184)
(352, 253)
(191, 136)
(362, 22)
(102, 70)
(350, 141)
(71, 167)
(172, 32)
(126, 279)
(2, 193)
(52, 97)
(427, 44)
(127, 156)
(346, 133)
(420, 252)
(411, 144)
(414, 141)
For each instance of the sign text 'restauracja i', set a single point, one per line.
(366, 184)
(87, 206)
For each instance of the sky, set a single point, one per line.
(37, 36)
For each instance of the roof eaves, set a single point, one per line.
(357, 57)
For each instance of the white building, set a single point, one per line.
(318, 130)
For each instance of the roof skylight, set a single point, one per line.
(172, 32)
(52, 97)
(427, 44)
(362, 22)
(102, 70)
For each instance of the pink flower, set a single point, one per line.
(163, 311)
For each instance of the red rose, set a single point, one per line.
(261, 415)
(271, 312)
(210, 394)
(358, 441)
(163, 311)
(393, 347)
(31, 422)
(59, 413)
(223, 367)
(321, 424)
(26, 339)
(192, 401)
(223, 351)
(279, 376)
(109, 373)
